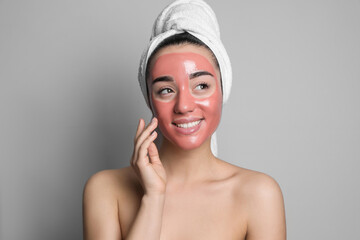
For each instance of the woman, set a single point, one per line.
(182, 190)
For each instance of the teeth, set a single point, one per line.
(188, 125)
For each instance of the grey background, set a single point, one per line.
(69, 105)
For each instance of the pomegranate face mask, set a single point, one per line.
(185, 96)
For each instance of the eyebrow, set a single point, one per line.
(162, 79)
(200, 73)
(191, 76)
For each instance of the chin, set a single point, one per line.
(188, 142)
(189, 146)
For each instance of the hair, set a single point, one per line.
(180, 39)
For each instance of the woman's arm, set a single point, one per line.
(266, 216)
(101, 220)
(151, 173)
(100, 209)
(147, 224)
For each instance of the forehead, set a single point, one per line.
(185, 49)
(181, 63)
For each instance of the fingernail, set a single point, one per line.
(153, 120)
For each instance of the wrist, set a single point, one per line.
(154, 199)
(154, 196)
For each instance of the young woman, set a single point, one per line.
(182, 190)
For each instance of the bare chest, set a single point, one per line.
(196, 215)
(202, 217)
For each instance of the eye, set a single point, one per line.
(202, 86)
(165, 91)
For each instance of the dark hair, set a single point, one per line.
(179, 39)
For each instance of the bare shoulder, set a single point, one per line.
(262, 199)
(111, 182)
(100, 202)
(101, 181)
(250, 182)
(257, 185)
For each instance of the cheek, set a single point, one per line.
(211, 108)
(162, 110)
(212, 105)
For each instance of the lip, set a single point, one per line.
(187, 131)
(186, 120)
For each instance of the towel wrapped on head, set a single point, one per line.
(198, 19)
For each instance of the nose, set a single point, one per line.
(184, 102)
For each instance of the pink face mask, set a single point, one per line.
(186, 97)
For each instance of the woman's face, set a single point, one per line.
(185, 94)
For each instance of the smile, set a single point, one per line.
(188, 125)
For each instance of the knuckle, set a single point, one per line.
(142, 147)
(137, 145)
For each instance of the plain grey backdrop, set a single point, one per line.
(70, 102)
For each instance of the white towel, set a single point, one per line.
(197, 18)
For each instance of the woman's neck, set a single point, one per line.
(187, 166)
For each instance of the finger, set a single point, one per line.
(137, 147)
(145, 133)
(140, 128)
(143, 150)
(153, 153)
